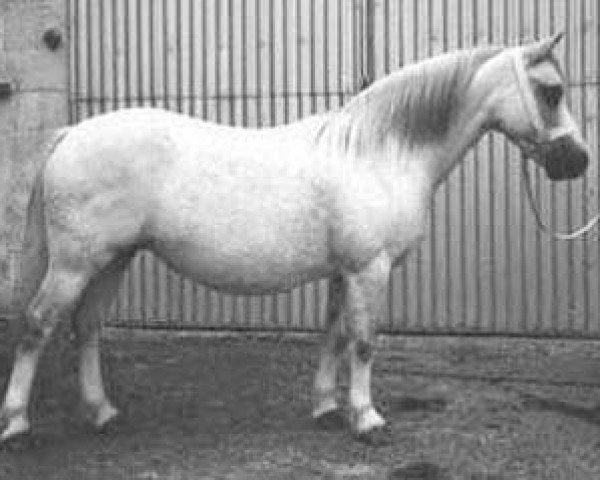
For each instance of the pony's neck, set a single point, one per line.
(470, 123)
(423, 117)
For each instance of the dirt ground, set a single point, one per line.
(239, 408)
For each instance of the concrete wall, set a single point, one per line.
(37, 106)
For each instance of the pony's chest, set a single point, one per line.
(377, 217)
(407, 228)
(409, 215)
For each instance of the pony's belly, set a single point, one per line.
(248, 231)
(253, 271)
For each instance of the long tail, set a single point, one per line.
(34, 258)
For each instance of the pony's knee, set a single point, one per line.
(340, 345)
(364, 350)
(38, 324)
(363, 342)
(34, 330)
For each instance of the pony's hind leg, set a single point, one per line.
(92, 310)
(326, 409)
(54, 301)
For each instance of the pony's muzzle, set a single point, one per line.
(564, 158)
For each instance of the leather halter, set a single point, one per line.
(529, 148)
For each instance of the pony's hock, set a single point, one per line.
(222, 205)
(6, 88)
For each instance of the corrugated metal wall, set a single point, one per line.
(483, 268)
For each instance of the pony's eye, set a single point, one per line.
(552, 95)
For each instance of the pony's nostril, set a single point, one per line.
(565, 159)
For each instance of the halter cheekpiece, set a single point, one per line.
(543, 134)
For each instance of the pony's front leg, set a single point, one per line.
(367, 292)
(326, 409)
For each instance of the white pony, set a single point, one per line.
(342, 195)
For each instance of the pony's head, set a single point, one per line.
(531, 110)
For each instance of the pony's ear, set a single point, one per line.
(542, 49)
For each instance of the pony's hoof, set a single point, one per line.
(15, 430)
(331, 421)
(376, 437)
(19, 442)
(103, 419)
(110, 427)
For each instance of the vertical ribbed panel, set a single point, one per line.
(483, 266)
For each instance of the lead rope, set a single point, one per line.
(531, 107)
(580, 232)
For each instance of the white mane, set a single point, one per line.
(413, 105)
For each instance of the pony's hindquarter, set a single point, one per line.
(58, 266)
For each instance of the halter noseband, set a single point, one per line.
(529, 148)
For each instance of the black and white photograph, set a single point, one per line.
(299, 239)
